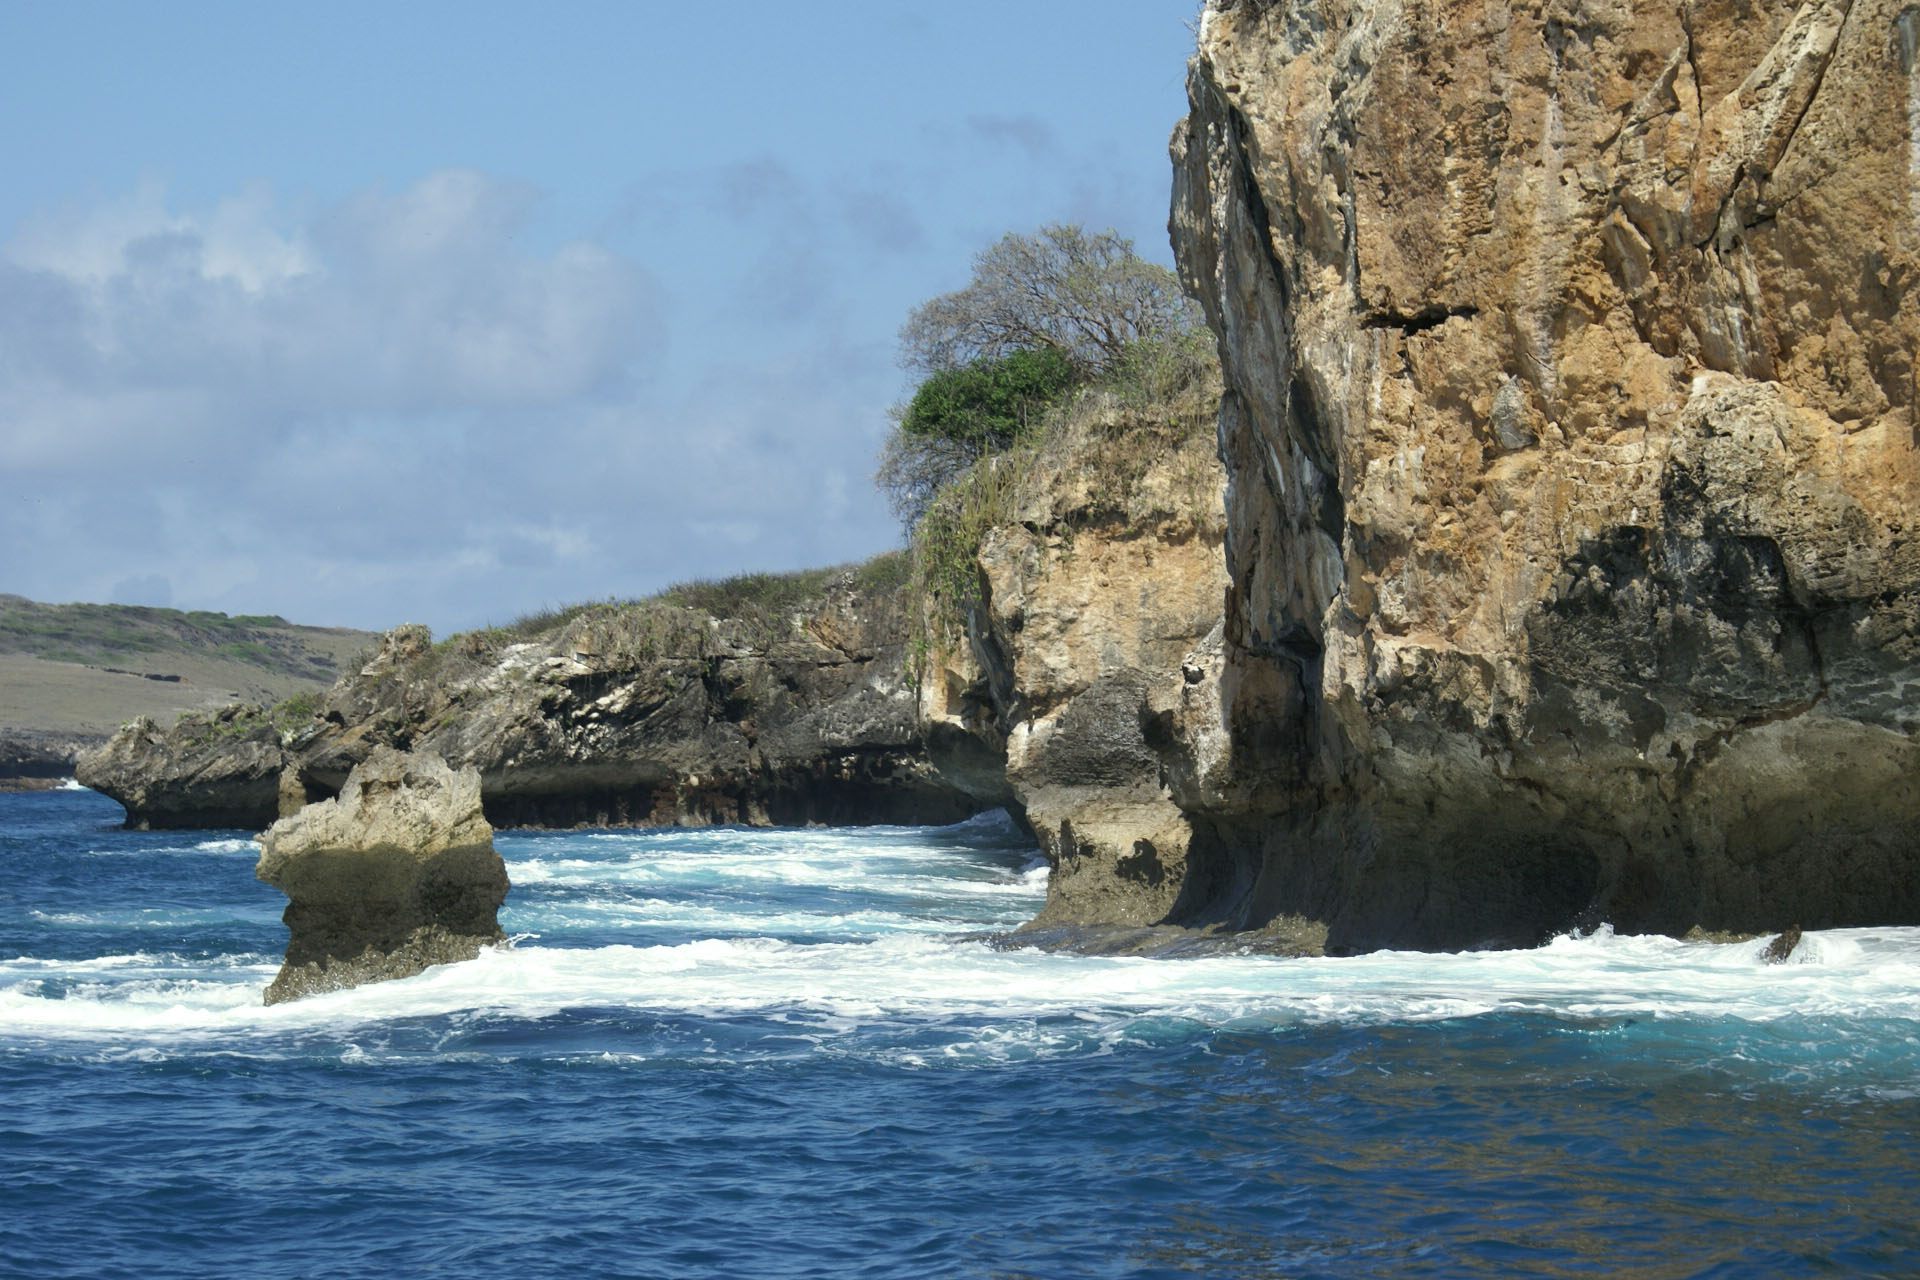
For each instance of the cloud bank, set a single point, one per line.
(400, 407)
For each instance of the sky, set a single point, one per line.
(363, 314)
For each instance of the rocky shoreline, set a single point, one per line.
(1568, 547)
(38, 760)
(1554, 564)
(639, 715)
(1570, 434)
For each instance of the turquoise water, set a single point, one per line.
(750, 1053)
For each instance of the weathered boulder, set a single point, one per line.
(1570, 434)
(395, 874)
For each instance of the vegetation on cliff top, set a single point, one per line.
(1067, 355)
(1089, 299)
(755, 598)
(759, 610)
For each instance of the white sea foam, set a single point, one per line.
(233, 844)
(238, 845)
(925, 981)
(845, 940)
(142, 917)
(783, 884)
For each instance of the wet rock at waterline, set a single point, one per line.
(1782, 946)
(397, 873)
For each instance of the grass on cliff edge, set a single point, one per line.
(1165, 396)
(765, 602)
(756, 598)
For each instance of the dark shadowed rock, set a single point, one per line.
(645, 714)
(397, 873)
(33, 759)
(221, 770)
(1782, 946)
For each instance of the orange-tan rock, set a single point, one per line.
(1109, 573)
(1572, 471)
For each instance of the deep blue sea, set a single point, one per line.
(736, 1053)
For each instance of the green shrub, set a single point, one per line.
(296, 711)
(946, 542)
(987, 405)
(1160, 399)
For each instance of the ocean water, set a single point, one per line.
(787, 1053)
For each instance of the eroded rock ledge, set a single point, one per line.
(1572, 478)
(620, 715)
(394, 875)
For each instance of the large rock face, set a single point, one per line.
(221, 770)
(629, 715)
(1571, 440)
(397, 873)
(1094, 596)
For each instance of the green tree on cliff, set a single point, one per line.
(959, 416)
(1043, 315)
(1088, 297)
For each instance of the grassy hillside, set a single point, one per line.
(143, 639)
(84, 669)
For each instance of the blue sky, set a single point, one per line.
(364, 314)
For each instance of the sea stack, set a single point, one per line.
(396, 874)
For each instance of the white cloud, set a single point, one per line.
(394, 409)
(407, 302)
(237, 242)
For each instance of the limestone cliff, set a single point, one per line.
(1095, 591)
(645, 714)
(1570, 436)
(221, 770)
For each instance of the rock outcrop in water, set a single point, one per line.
(799, 711)
(221, 770)
(395, 874)
(1572, 476)
(1097, 627)
(33, 759)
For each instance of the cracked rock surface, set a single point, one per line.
(1092, 601)
(1572, 475)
